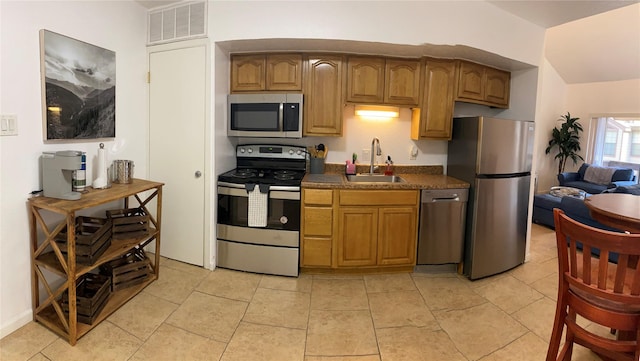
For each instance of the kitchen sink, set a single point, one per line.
(376, 178)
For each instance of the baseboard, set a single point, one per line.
(16, 323)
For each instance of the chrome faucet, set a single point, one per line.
(378, 152)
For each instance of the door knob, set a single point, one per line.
(198, 174)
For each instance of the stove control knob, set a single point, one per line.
(299, 152)
(241, 150)
(291, 151)
(250, 150)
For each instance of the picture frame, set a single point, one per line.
(78, 89)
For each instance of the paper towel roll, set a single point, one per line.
(101, 176)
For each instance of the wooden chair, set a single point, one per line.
(600, 291)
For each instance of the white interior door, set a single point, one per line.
(177, 134)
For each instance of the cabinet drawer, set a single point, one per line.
(316, 252)
(318, 196)
(317, 221)
(378, 197)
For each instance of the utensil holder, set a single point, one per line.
(317, 166)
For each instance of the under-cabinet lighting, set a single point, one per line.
(378, 111)
(54, 109)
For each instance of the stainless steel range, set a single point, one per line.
(259, 210)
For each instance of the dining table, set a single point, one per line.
(621, 211)
(617, 210)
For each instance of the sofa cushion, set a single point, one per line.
(586, 186)
(622, 174)
(583, 169)
(635, 189)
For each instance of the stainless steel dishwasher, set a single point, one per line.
(442, 225)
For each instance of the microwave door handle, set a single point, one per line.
(281, 118)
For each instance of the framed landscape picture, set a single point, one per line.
(78, 88)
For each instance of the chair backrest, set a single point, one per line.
(596, 276)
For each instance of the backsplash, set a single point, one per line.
(397, 169)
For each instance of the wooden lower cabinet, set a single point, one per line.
(357, 236)
(351, 230)
(397, 232)
(316, 234)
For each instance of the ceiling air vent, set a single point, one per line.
(178, 22)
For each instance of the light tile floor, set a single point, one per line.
(194, 314)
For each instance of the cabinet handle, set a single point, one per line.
(198, 174)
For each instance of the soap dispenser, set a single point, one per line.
(389, 168)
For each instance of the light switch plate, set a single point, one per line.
(8, 124)
(366, 155)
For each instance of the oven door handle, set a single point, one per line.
(237, 192)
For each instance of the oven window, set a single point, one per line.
(255, 116)
(282, 213)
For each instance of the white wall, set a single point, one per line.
(552, 105)
(474, 23)
(589, 100)
(115, 25)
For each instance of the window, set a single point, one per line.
(616, 142)
(610, 142)
(635, 144)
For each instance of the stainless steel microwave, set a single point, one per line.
(265, 115)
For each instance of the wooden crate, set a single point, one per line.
(129, 222)
(92, 293)
(131, 269)
(93, 237)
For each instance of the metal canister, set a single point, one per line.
(123, 171)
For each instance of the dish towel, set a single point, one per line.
(258, 204)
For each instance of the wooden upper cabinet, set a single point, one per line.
(498, 87)
(377, 80)
(365, 79)
(324, 86)
(402, 82)
(433, 119)
(248, 73)
(260, 72)
(284, 72)
(483, 85)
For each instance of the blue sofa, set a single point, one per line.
(621, 177)
(543, 205)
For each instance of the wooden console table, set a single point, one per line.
(46, 254)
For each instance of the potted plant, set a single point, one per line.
(567, 140)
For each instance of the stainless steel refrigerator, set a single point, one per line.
(494, 156)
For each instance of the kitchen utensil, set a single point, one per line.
(322, 150)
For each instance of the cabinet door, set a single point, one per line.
(365, 80)
(357, 236)
(402, 82)
(397, 234)
(433, 119)
(248, 73)
(323, 90)
(284, 72)
(497, 87)
(471, 81)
